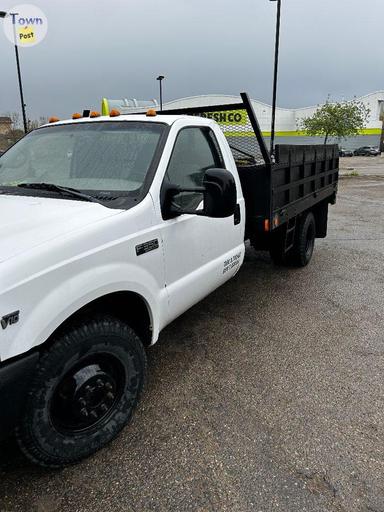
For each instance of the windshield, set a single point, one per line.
(103, 156)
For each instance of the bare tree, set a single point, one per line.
(15, 133)
(15, 119)
(35, 123)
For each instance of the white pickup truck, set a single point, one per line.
(112, 227)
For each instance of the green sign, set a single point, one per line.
(227, 117)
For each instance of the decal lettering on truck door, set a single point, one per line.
(232, 262)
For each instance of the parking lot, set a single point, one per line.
(363, 165)
(268, 395)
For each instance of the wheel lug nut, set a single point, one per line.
(104, 408)
(84, 412)
(108, 385)
(82, 402)
(110, 396)
(100, 383)
(94, 414)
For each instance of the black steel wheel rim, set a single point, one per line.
(87, 394)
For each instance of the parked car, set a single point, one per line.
(366, 151)
(345, 152)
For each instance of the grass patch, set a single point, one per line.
(351, 174)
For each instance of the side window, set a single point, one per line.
(196, 150)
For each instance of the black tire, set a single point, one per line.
(302, 251)
(85, 389)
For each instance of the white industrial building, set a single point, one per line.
(287, 119)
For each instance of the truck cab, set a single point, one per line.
(94, 224)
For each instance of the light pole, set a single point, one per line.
(3, 15)
(160, 78)
(274, 95)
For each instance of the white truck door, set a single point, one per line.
(200, 253)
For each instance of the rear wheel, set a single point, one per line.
(84, 392)
(304, 245)
(301, 252)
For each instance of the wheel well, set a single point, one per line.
(128, 307)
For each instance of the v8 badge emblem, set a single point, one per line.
(10, 319)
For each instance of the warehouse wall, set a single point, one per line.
(287, 120)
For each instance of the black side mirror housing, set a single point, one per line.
(220, 196)
(218, 191)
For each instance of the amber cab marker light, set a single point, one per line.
(151, 113)
(76, 115)
(266, 224)
(114, 113)
(53, 119)
(94, 114)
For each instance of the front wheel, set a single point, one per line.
(85, 389)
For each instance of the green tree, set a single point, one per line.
(339, 120)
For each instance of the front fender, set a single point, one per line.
(46, 301)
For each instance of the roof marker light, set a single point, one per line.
(94, 114)
(114, 113)
(151, 113)
(53, 119)
(76, 115)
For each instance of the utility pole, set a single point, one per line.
(275, 73)
(160, 78)
(23, 105)
(382, 127)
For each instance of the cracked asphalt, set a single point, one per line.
(266, 396)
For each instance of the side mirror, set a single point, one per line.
(218, 193)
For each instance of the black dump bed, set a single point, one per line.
(301, 177)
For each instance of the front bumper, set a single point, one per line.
(15, 377)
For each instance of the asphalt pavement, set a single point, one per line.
(266, 396)
(363, 165)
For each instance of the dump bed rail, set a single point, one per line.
(301, 176)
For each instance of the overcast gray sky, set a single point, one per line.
(116, 48)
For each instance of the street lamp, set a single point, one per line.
(3, 15)
(160, 78)
(277, 42)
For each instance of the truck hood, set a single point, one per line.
(26, 222)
